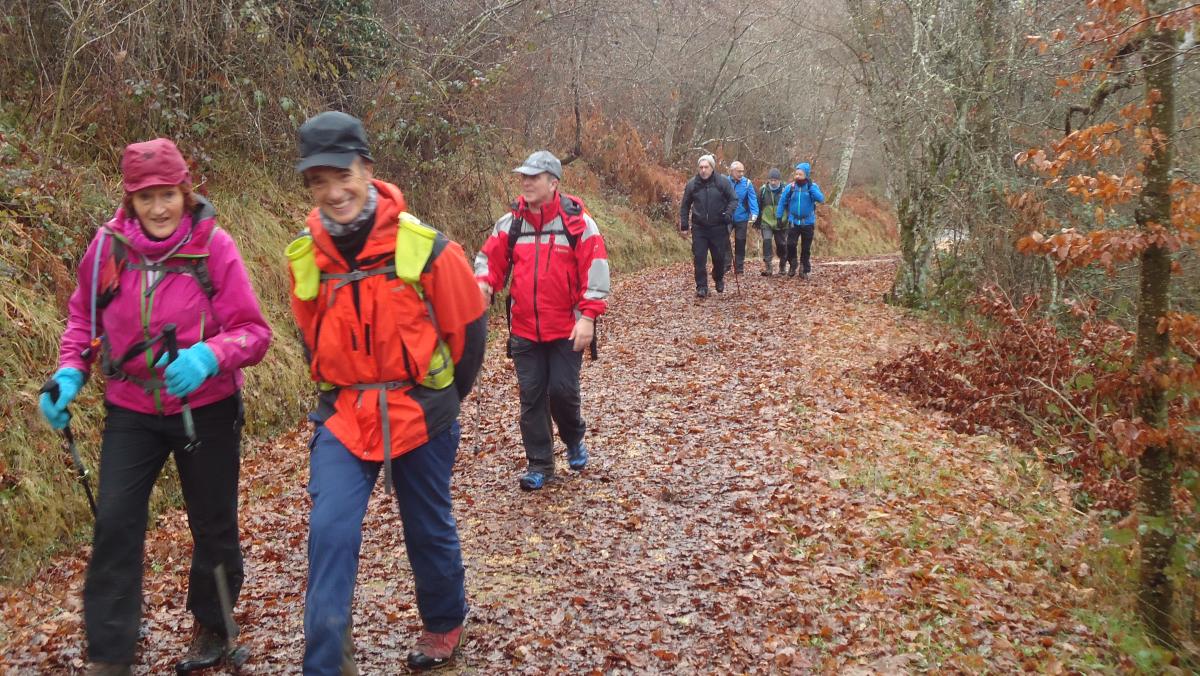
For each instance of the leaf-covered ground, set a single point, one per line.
(754, 505)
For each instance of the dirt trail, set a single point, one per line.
(754, 504)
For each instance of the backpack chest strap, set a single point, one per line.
(344, 278)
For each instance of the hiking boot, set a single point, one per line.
(791, 271)
(804, 276)
(702, 293)
(577, 456)
(782, 270)
(531, 481)
(720, 286)
(766, 271)
(435, 650)
(206, 650)
(106, 669)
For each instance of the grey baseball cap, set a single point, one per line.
(541, 162)
(332, 139)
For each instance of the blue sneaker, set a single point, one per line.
(577, 456)
(533, 481)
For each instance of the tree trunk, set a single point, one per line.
(916, 250)
(672, 123)
(1156, 467)
(843, 174)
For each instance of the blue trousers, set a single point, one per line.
(340, 485)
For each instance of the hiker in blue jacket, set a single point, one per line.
(747, 210)
(799, 201)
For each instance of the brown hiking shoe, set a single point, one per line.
(106, 669)
(207, 649)
(435, 650)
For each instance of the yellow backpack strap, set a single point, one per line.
(414, 246)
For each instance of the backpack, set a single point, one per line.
(569, 206)
(106, 281)
(786, 198)
(107, 275)
(415, 243)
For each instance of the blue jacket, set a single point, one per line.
(747, 200)
(800, 203)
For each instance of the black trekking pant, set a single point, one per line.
(709, 240)
(134, 448)
(548, 377)
(735, 257)
(779, 237)
(804, 234)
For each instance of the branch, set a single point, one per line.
(1101, 93)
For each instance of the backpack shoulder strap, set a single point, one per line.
(571, 208)
(200, 270)
(514, 231)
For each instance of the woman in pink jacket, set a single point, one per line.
(161, 272)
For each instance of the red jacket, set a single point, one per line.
(553, 282)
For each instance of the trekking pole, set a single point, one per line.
(81, 472)
(189, 425)
(594, 346)
(235, 656)
(478, 418)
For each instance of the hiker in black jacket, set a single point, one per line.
(708, 204)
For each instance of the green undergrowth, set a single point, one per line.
(863, 225)
(48, 213)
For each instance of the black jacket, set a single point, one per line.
(708, 203)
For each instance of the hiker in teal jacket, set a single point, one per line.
(746, 211)
(799, 203)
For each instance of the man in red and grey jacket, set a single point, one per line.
(559, 287)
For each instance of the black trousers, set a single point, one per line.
(735, 256)
(708, 240)
(134, 448)
(548, 377)
(804, 234)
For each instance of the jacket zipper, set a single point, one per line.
(537, 320)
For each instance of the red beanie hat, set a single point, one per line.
(156, 162)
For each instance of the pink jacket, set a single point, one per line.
(230, 322)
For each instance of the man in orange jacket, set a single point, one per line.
(395, 332)
(559, 288)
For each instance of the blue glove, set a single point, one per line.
(190, 369)
(68, 381)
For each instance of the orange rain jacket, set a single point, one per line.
(378, 330)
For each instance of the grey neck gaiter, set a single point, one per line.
(365, 217)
